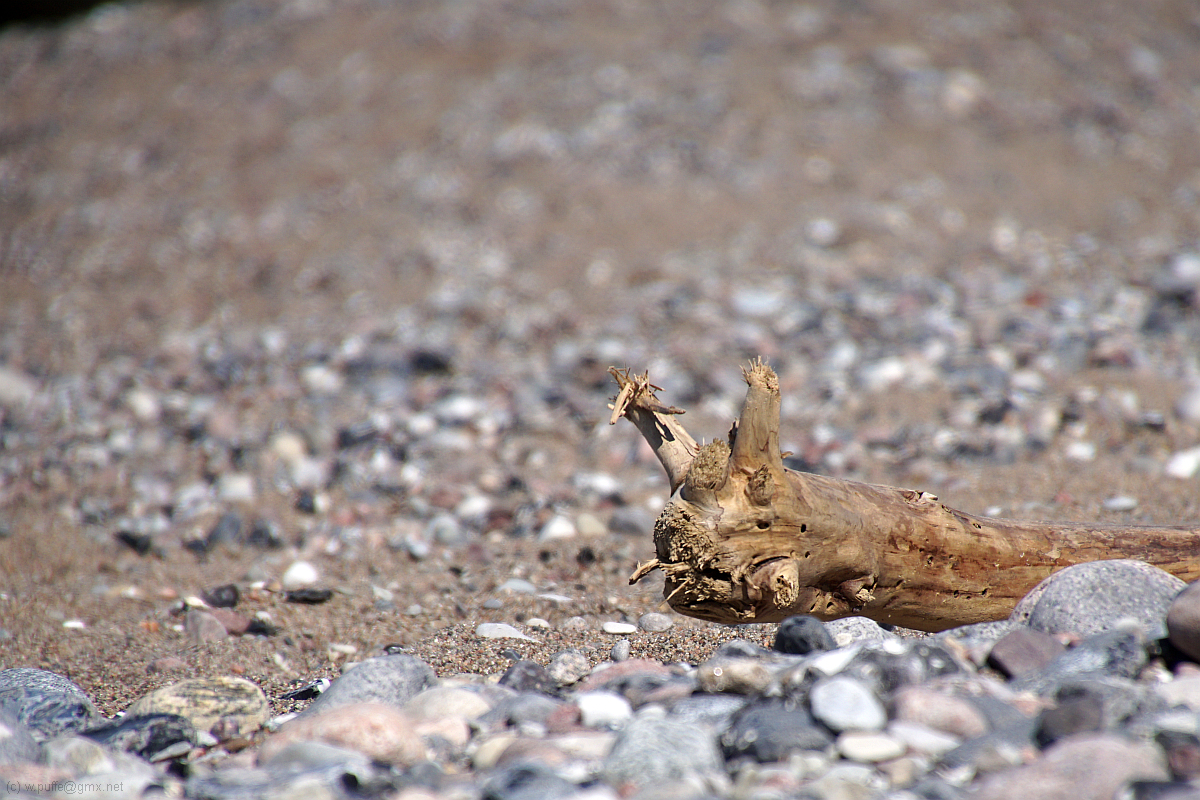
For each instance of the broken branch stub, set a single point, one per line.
(744, 539)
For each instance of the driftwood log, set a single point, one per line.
(745, 539)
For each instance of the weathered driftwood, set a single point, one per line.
(744, 539)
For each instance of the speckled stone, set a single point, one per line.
(235, 702)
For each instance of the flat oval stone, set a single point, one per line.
(208, 701)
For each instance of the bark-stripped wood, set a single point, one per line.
(745, 539)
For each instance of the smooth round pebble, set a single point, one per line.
(393, 679)
(1093, 597)
(299, 575)
(618, 628)
(655, 622)
(845, 704)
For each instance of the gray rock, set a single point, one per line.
(526, 707)
(712, 711)
(569, 666)
(771, 730)
(652, 751)
(620, 650)
(655, 622)
(1118, 653)
(47, 704)
(527, 781)
(1093, 597)
(856, 629)
(844, 703)
(393, 679)
(528, 676)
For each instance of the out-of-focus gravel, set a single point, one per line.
(338, 282)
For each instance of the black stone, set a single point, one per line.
(224, 596)
(769, 731)
(306, 502)
(356, 434)
(144, 735)
(264, 534)
(529, 676)
(310, 597)
(802, 635)
(140, 543)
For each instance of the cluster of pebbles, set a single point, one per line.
(1086, 691)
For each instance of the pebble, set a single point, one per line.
(379, 731)
(1023, 651)
(603, 709)
(771, 730)
(299, 575)
(846, 704)
(238, 705)
(499, 630)
(1183, 464)
(1093, 597)
(869, 746)
(856, 629)
(568, 666)
(1096, 765)
(803, 635)
(618, 628)
(651, 751)
(47, 704)
(940, 711)
(655, 622)
(393, 679)
(558, 527)
(1183, 620)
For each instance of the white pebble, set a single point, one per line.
(1081, 451)
(537, 622)
(499, 630)
(559, 527)
(320, 379)
(1183, 464)
(618, 628)
(75, 624)
(1121, 502)
(236, 487)
(299, 575)
(602, 709)
(868, 747)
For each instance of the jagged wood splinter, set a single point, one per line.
(744, 539)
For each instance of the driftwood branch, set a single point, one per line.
(744, 539)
